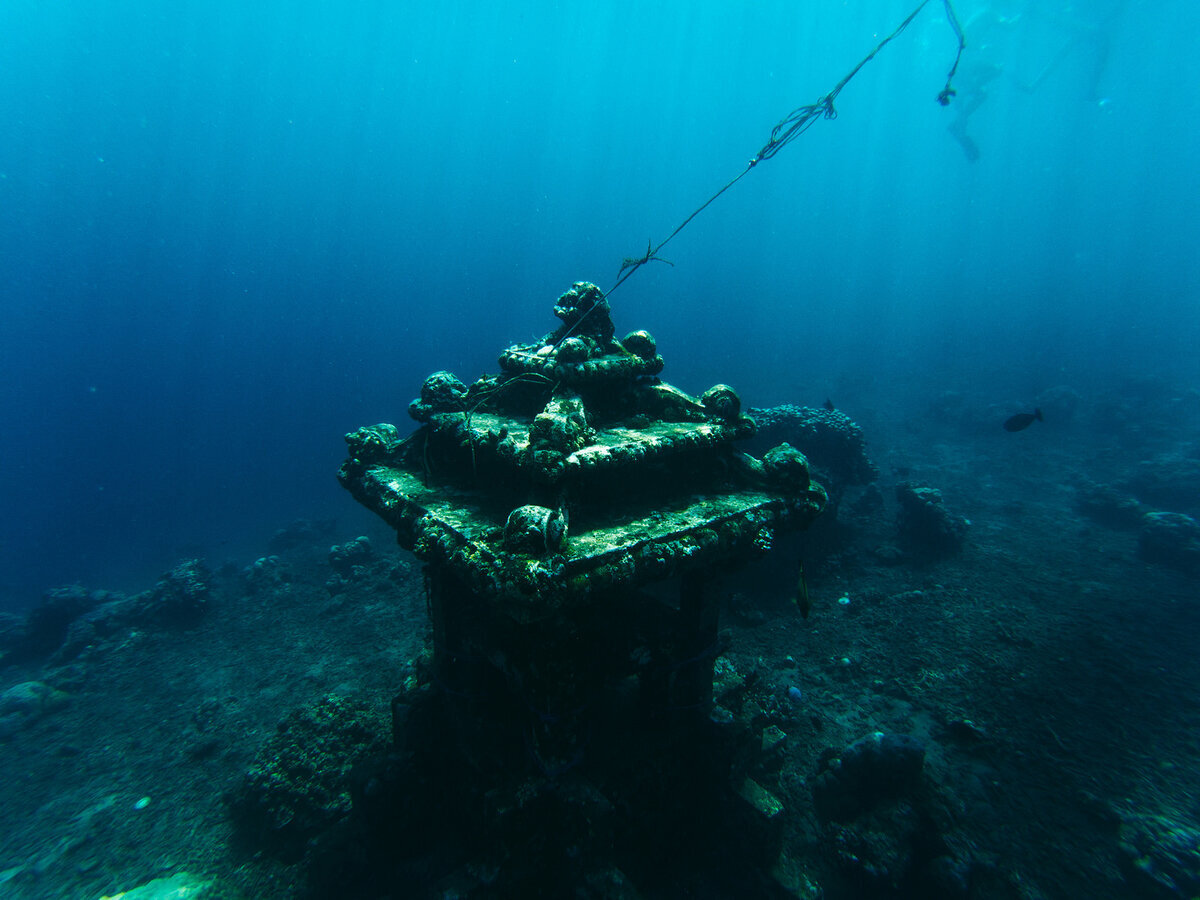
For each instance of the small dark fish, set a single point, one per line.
(801, 598)
(1021, 421)
(829, 405)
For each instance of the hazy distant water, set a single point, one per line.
(232, 231)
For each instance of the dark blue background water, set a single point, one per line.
(231, 232)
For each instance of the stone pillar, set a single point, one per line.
(697, 630)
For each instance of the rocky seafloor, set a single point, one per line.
(995, 699)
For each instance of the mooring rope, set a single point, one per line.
(791, 127)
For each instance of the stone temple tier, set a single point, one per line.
(576, 471)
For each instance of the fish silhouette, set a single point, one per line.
(1021, 421)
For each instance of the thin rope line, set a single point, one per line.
(785, 131)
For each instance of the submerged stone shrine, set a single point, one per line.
(572, 513)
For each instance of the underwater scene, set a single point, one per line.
(627, 451)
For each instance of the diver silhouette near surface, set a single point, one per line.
(1002, 33)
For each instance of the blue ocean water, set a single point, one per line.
(232, 232)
